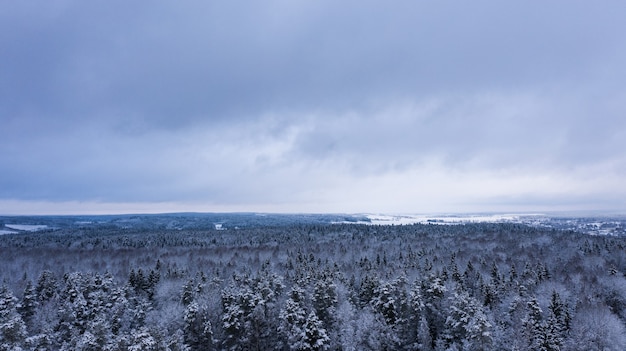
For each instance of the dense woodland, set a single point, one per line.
(313, 287)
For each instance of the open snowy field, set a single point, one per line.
(407, 219)
(27, 227)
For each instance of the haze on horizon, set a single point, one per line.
(313, 106)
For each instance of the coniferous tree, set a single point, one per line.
(367, 289)
(534, 329)
(466, 325)
(293, 319)
(243, 319)
(12, 328)
(384, 302)
(315, 337)
(558, 313)
(416, 334)
(433, 291)
(28, 306)
(233, 323)
(46, 286)
(142, 340)
(198, 332)
(361, 305)
(188, 293)
(325, 301)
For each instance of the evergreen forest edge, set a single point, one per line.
(484, 286)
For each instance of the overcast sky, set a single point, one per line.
(312, 106)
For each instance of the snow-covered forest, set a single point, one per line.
(475, 286)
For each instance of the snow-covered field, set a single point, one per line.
(27, 227)
(404, 219)
(4, 231)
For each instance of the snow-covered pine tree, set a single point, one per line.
(534, 328)
(142, 340)
(292, 319)
(315, 337)
(466, 325)
(367, 289)
(433, 291)
(325, 301)
(198, 332)
(12, 328)
(47, 286)
(188, 293)
(29, 303)
(243, 318)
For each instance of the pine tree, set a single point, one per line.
(198, 333)
(187, 295)
(46, 286)
(534, 329)
(424, 340)
(142, 340)
(12, 328)
(315, 336)
(490, 294)
(151, 282)
(456, 275)
(325, 301)
(478, 332)
(176, 342)
(495, 274)
(433, 291)
(556, 325)
(140, 280)
(552, 339)
(558, 312)
(513, 274)
(100, 329)
(384, 302)
(29, 303)
(233, 323)
(466, 324)
(132, 278)
(367, 289)
(137, 308)
(393, 302)
(416, 328)
(73, 314)
(41, 341)
(243, 319)
(469, 276)
(512, 323)
(118, 311)
(293, 319)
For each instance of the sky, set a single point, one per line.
(312, 106)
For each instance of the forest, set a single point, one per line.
(313, 286)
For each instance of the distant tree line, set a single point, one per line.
(313, 287)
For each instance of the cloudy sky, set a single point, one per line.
(312, 106)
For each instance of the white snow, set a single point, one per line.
(404, 219)
(3, 231)
(27, 227)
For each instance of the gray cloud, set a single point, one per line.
(279, 104)
(208, 61)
